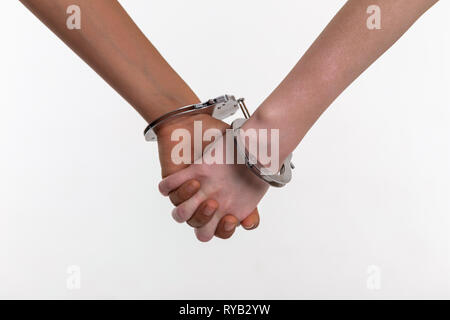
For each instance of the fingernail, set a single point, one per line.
(250, 227)
(209, 211)
(191, 188)
(228, 226)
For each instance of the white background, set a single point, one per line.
(78, 182)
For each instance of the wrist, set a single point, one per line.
(278, 134)
(170, 103)
(164, 131)
(162, 104)
(210, 111)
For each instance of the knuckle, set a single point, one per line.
(203, 170)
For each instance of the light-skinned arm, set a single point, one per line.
(344, 49)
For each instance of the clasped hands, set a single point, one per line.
(212, 198)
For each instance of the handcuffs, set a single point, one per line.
(220, 108)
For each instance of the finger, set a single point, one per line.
(185, 192)
(203, 214)
(226, 227)
(252, 221)
(175, 180)
(184, 211)
(206, 232)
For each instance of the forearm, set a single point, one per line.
(111, 43)
(338, 56)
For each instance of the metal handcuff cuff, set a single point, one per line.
(220, 108)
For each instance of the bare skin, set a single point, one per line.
(344, 50)
(111, 43)
(338, 56)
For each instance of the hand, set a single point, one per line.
(233, 186)
(228, 223)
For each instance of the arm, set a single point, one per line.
(338, 56)
(111, 43)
